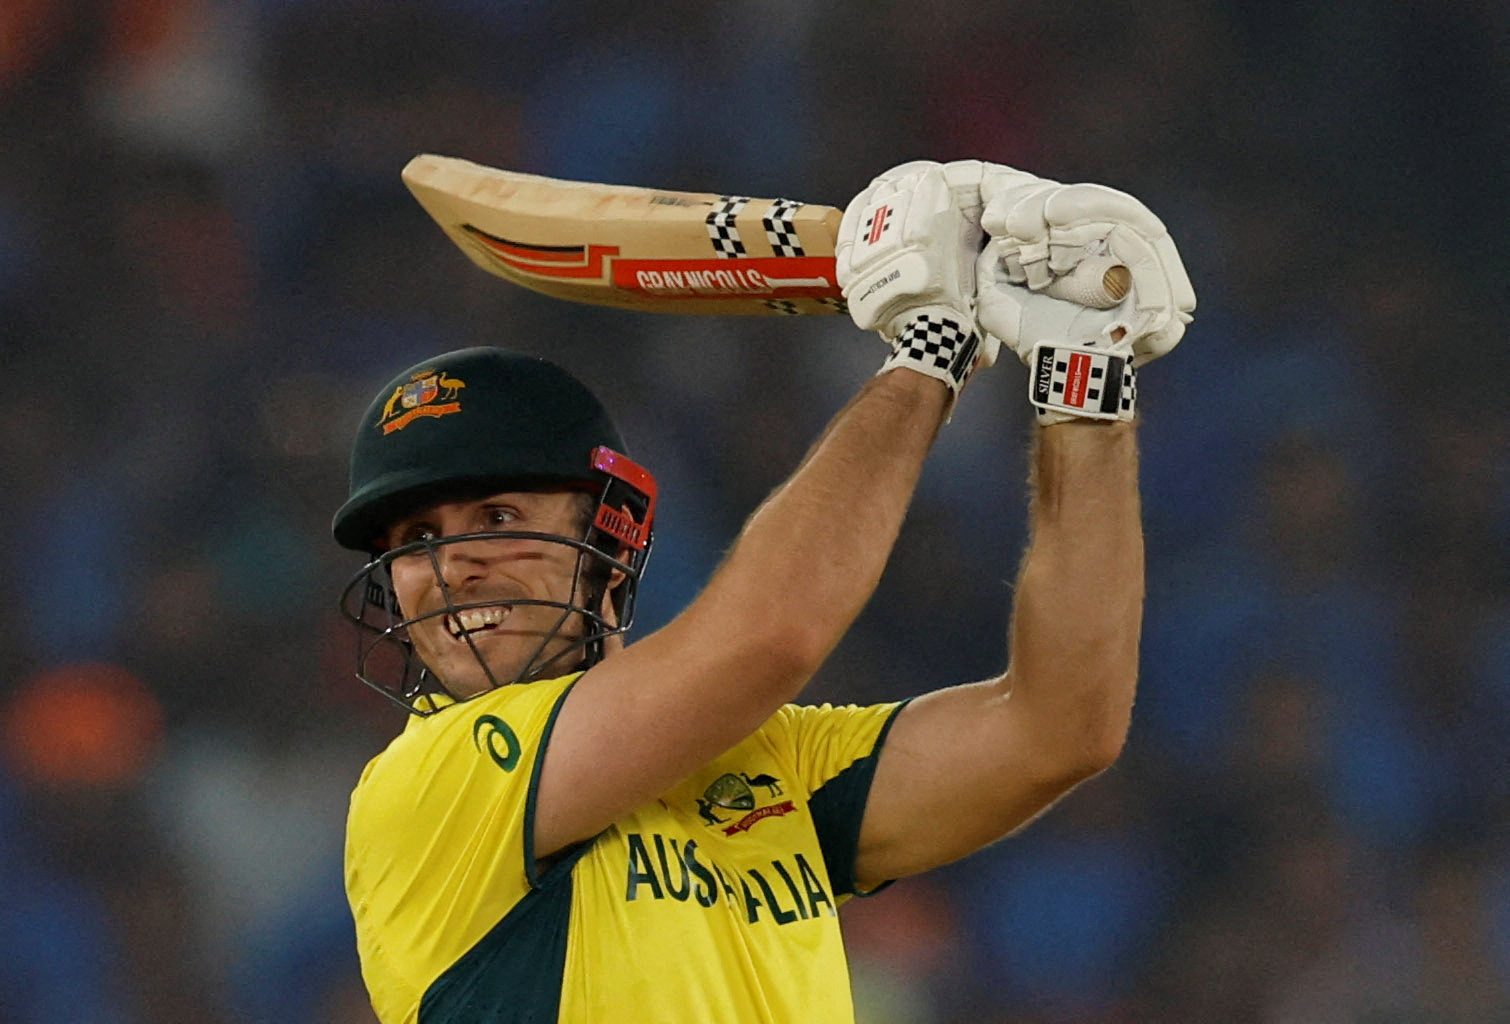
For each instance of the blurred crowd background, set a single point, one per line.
(208, 265)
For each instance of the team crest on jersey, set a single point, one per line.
(732, 792)
(429, 393)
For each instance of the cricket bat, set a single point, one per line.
(656, 250)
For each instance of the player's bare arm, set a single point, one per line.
(807, 560)
(798, 575)
(967, 765)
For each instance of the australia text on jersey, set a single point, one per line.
(676, 872)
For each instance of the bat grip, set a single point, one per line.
(1098, 282)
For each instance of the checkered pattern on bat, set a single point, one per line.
(721, 229)
(779, 229)
(940, 343)
(787, 307)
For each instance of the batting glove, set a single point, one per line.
(905, 259)
(1041, 291)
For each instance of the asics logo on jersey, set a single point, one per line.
(501, 743)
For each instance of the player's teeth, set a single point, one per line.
(475, 618)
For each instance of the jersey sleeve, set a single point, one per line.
(440, 833)
(834, 752)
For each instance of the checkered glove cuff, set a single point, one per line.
(936, 345)
(1068, 383)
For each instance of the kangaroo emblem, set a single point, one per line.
(392, 403)
(705, 811)
(770, 783)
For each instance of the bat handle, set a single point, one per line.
(1099, 282)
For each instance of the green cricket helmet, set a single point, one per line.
(463, 425)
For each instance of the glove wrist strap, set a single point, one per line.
(1067, 382)
(937, 343)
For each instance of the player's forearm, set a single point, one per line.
(1078, 611)
(812, 554)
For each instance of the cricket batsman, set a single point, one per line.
(571, 828)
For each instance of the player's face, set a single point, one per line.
(501, 569)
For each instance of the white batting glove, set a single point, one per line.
(905, 259)
(1039, 291)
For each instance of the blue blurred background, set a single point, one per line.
(208, 264)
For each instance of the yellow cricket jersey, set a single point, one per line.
(715, 903)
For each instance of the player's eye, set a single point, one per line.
(414, 533)
(499, 516)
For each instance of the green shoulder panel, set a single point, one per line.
(838, 808)
(513, 976)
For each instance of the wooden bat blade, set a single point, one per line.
(663, 251)
(637, 248)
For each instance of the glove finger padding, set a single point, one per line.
(1050, 243)
(1042, 233)
(1150, 285)
(963, 179)
(895, 174)
(1020, 317)
(1098, 219)
(1001, 190)
(1072, 205)
(1180, 288)
(1015, 219)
